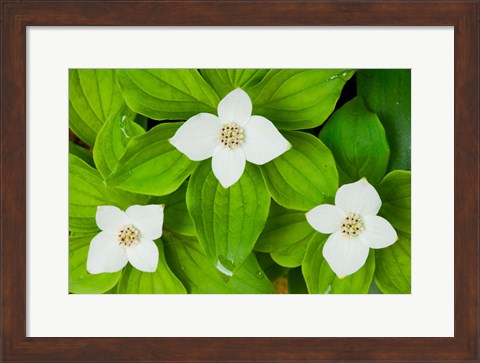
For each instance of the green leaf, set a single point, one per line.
(303, 177)
(270, 267)
(395, 192)
(112, 139)
(321, 279)
(151, 165)
(387, 92)
(162, 281)
(226, 80)
(81, 153)
(227, 221)
(177, 218)
(167, 94)
(79, 280)
(295, 99)
(94, 97)
(393, 266)
(286, 236)
(358, 142)
(189, 262)
(296, 282)
(87, 191)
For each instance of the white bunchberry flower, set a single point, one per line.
(354, 227)
(231, 139)
(125, 237)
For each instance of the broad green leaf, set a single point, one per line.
(151, 165)
(81, 153)
(358, 142)
(387, 92)
(162, 281)
(94, 97)
(321, 279)
(286, 236)
(227, 221)
(177, 218)
(393, 266)
(167, 94)
(87, 191)
(79, 280)
(112, 139)
(295, 99)
(303, 177)
(296, 282)
(226, 80)
(189, 262)
(395, 192)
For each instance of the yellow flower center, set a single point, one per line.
(231, 135)
(352, 225)
(128, 235)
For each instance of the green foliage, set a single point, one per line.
(393, 266)
(227, 221)
(395, 192)
(286, 236)
(81, 153)
(295, 99)
(112, 139)
(177, 218)
(151, 165)
(296, 282)
(93, 98)
(87, 191)
(387, 92)
(189, 262)
(226, 80)
(358, 143)
(303, 177)
(393, 272)
(167, 94)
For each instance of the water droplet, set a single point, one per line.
(224, 270)
(183, 268)
(259, 274)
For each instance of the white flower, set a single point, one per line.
(354, 227)
(126, 236)
(231, 138)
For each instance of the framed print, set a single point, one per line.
(225, 181)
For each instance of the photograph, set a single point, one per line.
(239, 181)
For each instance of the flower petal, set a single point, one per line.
(110, 218)
(148, 219)
(105, 254)
(325, 218)
(263, 142)
(345, 255)
(228, 165)
(198, 136)
(235, 107)
(144, 255)
(378, 232)
(359, 197)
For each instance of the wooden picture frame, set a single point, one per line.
(463, 15)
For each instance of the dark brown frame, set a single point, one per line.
(17, 15)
